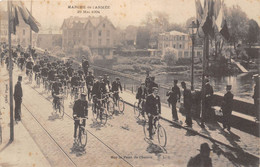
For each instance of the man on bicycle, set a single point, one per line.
(141, 95)
(85, 66)
(153, 108)
(80, 110)
(29, 66)
(89, 82)
(116, 86)
(44, 72)
(36, 70)
(96, 92)
(56, 89)
(75, 81)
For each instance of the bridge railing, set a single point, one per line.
(132, 83)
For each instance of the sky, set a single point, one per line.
(51, 13)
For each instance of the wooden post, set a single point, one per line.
(10, 73)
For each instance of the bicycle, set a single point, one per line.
(59, 108)
(99, 111)
(109, 103)
(82, 138)
(38, 79)
(119, 102)
(140, 110)
(30, 76)
(74, 92)
(156, 129)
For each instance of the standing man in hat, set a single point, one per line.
(202, 159)
(174, 96)
(18, 94)
(256, 96)
(227, 107)
(187, 98)
(208, 98)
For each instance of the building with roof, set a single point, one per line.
(22, 36)
(181, 42)
(98, 33)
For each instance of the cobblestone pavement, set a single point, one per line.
(120, 142)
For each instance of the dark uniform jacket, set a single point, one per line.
(153, 105)
(90, 80)
(174, 95)
(116, 86)
(187, 98)
(208, 90)
(96, 90)
(36, 68)
(80, 108)
(141, 93)
(85, 65)
(56, 87)
(105, 86)
(197, 162)
(227, 102)
(29, 65)
(18, 92)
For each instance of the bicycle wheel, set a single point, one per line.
(162, 137)
(83, 138)
(121, 104)
(103, 116)
(110, 107)
(145, 129)
(136, 110)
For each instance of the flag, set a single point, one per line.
(199, 11)
(28, 18)
(224, 31)
(221, 24)
(207, 23)
(14, 21)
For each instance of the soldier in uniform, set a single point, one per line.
(153, 108)
(187, 104)
(174, 96)
(18, 94)
(208, 97)
(80, 110)
(227, 107)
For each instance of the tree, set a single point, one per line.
(170, 56)
(237, 24)
(253, 32)
(142, 38)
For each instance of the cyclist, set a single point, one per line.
(29, 66)
(152, 84)
(96, 91)
(105, 84)
(152, 108)
(80, 110)
(116, 86)
(70, 70)
(44, 72)
(89, 83)
(2, 56)
(75, 80)
(147, 79)
(141, 95)
(21, 61)
(36, 70)
(56, 89)
(85, 66)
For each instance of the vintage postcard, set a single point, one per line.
(129, 83)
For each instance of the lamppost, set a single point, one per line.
(192, 31)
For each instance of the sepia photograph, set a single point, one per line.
(129, 83)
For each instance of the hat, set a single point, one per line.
(229, 87)
(204, 147)
(117, 78)
(175, 81)
(83, 94)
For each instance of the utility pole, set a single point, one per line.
(31, 28)
(192, 61)
(204, 67)
(9, 9)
